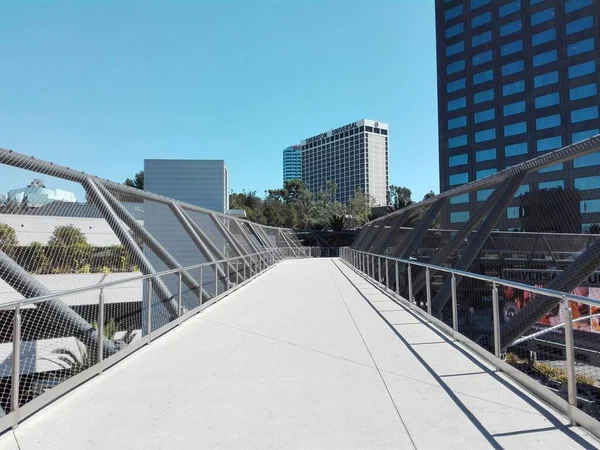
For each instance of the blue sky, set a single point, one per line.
(101, 85)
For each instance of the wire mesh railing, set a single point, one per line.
(91, 269)
(558, 367)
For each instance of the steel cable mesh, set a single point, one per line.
(57, 235)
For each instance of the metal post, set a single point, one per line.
(149, 310)
(379, 269)
(569, 344)
(237, 272)
(428, 281)
(16, 359)
(454, 306)
(387, 278)
(179, 293)
(397, 279)
(101, 325)
(496, 313)
(410, 285)
(227, 278)
(201, 284)
(373, 267)
(216, 279)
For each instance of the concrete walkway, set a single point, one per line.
(309, 355)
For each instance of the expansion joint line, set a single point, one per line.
(373, 359)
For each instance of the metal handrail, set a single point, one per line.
(500, 281)
(103, 285)
(364, 262)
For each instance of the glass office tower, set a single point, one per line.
(517, 78)
(292, 163)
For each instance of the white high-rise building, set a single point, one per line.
(354, 156)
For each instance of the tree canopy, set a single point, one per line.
(137, 182)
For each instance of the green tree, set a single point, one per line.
(137, 182)
(429, 195)
(68, 248)
(359, 208)
(8, 239)
(337, 222)
(399, 197)
(34, 258)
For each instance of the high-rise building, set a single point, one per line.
(353, 156)
(203, 183)
(516, 78)
(292, 163)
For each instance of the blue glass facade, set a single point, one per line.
(522, 80)
(292, 163)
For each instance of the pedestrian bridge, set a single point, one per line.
(310, 354)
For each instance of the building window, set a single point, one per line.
(593, 159)
(485, 173)
(485, 115)
(457, 103)
(484, 194)
(580, 24)
(545, 58)
(583, 91)
(573, 5)
(485, 135)
(483, 57)
(543, 37)
(477, 3)
(453, 12)
(513, 88)
(581, 135)
(583, 114)
(554, 168)
(459, 216)
(482, 77)
(511, 47)
(483, 96)
(513, 67)
(515, 149)
(583, 46)
(510, 28)
(457, 141)
(545, 79)
(543, 123)
(512, 212)
(459, 178)
(523, 189)
(579, 70)
(514, 108)
(481, 20)
(551, 184)
(455, 67)
(481, 39)
(457, 122)
(455, 48)
(455, 85)
(458, 160)
(587, 183)
(551, 143)
(540, 17)
(589, 206)
(454, 30)
(462, 198)
(515, 128)
(510, 8)
(544, 101)
(485, 155)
